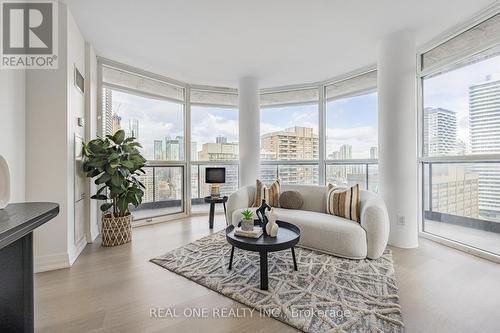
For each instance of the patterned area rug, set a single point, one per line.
(326, 294)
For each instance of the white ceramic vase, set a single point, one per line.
(272, 226)
(4, 183)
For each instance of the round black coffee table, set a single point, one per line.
(288, 236)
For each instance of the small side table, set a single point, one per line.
(212, 201)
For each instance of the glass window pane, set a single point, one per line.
(462, 203)
(462, 110)
(157, 124)
(346, 175)
(373, 184)
(214, 133)
(352, 127)
(289, 133)
(163, 193)
(200, 189)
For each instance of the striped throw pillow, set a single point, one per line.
(271, 194)
(344, 203)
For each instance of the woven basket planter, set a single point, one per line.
(116, 230)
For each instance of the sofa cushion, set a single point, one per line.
(344, 202)
(260, 193)
(291, 200)
(323, 232)
(327, 233)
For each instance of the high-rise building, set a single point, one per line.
(484, 125)
(374, 153)
(107, 108)
(172, 149)
(115, 123)
(218, 152)
(221, 139)
(194, 150)
(133, 128)
(295, 143)
(345, 152)
(440, 132)
(455, 191)
(158, 150)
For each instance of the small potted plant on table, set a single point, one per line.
(247, 221)
(115, 163)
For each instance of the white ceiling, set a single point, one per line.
(281, 42)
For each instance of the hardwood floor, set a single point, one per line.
(113, 289)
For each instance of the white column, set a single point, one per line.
(397, 136)
(249, 125)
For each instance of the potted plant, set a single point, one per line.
(247, 221)
(115, 162)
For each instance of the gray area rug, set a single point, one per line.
(326, 294)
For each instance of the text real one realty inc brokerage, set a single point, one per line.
(202, 312)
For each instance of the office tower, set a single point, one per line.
(218, 151)
(158, 150)
(374, 152)
(180, 140)
(172, 149)
(221, 139)
(133, 128)
(454, 190)
(345, 152)
(194, 150)
(440, 132)
(115, 123)
(484, 124)
(107, 110)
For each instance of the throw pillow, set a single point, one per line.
(271, 194)
(344, 202)
(291, 200)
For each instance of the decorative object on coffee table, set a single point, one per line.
(4, 183)
(247, 221)
(287, 239)
(272, 226)
(212, 201)
(116, 163)
(261, 215)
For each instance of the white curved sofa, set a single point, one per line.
(324, 232)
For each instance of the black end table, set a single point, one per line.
(212, 201)
(288, 236)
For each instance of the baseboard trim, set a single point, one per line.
(78, 250)
(51, 262)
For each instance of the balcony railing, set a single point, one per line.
(166, 186)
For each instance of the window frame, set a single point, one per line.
(422, 160)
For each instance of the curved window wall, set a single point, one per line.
(184, 129)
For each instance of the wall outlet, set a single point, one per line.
(400, 220)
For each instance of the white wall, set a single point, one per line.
(52, 107)
(12, 128)
(398, 136)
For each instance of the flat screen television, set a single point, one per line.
(215, 175)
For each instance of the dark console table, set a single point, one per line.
(17, 222)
